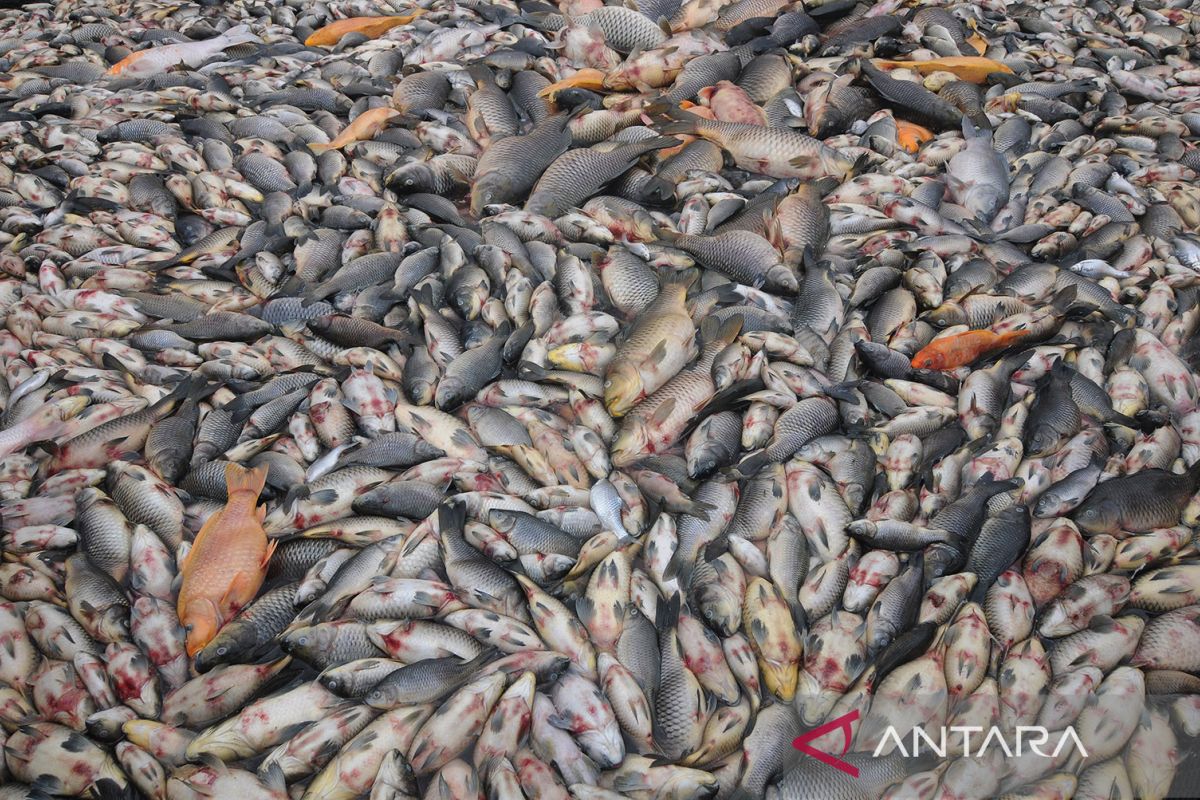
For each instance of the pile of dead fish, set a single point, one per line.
(509, 400)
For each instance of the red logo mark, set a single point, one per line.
(843, 722)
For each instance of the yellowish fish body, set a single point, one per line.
(371, 27)
(363, 128)
(228, 560)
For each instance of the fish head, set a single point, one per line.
(721, 609)
(227, 645)
(946, 315)
(68, 407)
(780, 678)
(622, 388)
(1055, 622)
(929, 359)
(813, 701)
(382, 697)
(200, 622)
(942, 558)
(631, 443)
(604, 745)
(1048, 504)
(502, 520)
(414, 176)
(451, 393)
(880, 637)
(1043, 440)
(487, 190)
(310, 639)
(113, 624)
(855, 495)
(1098, 515)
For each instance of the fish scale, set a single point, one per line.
(578, 174)
(595, 358)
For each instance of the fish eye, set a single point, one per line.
(222, 650)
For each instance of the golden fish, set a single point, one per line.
(371, 27)
(228, 560)
(364, 127)
(974, 69)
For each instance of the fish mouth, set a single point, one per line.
(814, 702)
(606, 747)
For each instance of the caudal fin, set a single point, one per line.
(240, 479)
(238, 35)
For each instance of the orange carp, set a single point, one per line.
(228, 561)
(365, 126)
(961, 349)
(371, 27)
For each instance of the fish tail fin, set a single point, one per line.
(859, 166)
(538, 19)
(678, 119)
(240, 34)
(1147, 420)
(193, 388)
(669, 236)
(316, 292)
(666, 614)
(682, 277)
(484, 657)
(240, 479)
(656, 143)
(716, 548)
(657, 191)
(199, 389)
(452, 517)
(531, 370)
(108, 789)
(713, 330)
(424, 296)
(1064, 298)
(752, 464)
(273, 777)
(677, 127)
(659, 106)
(843, 391)
(676, 567)
(481, 73)
(979, 593)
